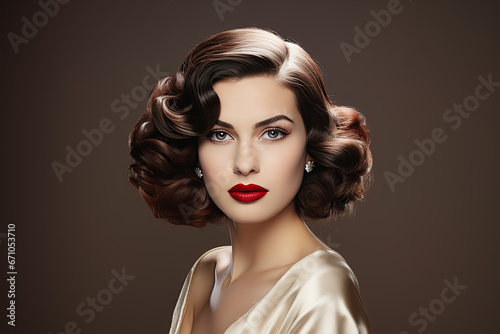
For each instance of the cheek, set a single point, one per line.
(286, 163)
(216, 167)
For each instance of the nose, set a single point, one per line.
(246, 160)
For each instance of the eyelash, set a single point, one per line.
(281, 130)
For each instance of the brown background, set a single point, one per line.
(441, 223)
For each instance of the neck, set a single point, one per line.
(267, 245)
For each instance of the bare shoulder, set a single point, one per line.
(201, 284)
(206, 263)
(203, 278)
(211, 256)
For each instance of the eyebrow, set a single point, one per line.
(259, 124)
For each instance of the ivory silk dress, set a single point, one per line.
(318, 294)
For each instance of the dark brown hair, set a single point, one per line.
(182, 107)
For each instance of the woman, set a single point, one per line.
(244, 135)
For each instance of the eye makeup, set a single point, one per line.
(220, 135)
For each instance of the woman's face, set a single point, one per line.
(259, 140)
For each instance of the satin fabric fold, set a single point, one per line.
(318, 294)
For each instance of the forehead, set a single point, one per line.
(249, 100)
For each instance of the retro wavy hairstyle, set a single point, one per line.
(164, 141)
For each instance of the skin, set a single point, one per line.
(267, 235)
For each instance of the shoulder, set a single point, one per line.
(329, 273)
(209, 259)
(204, 266)
(202, 272)
(329, 294)
(195, 287)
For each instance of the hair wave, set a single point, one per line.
(182, 107)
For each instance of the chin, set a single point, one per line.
(247, 216)
(253, 213)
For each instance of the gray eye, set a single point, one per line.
(219, 135)
(273, 134)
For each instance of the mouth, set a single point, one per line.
(247, 193)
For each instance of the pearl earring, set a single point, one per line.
(198, 172)
(309, 166)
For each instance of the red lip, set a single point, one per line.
(247, 187)
(247, 193)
